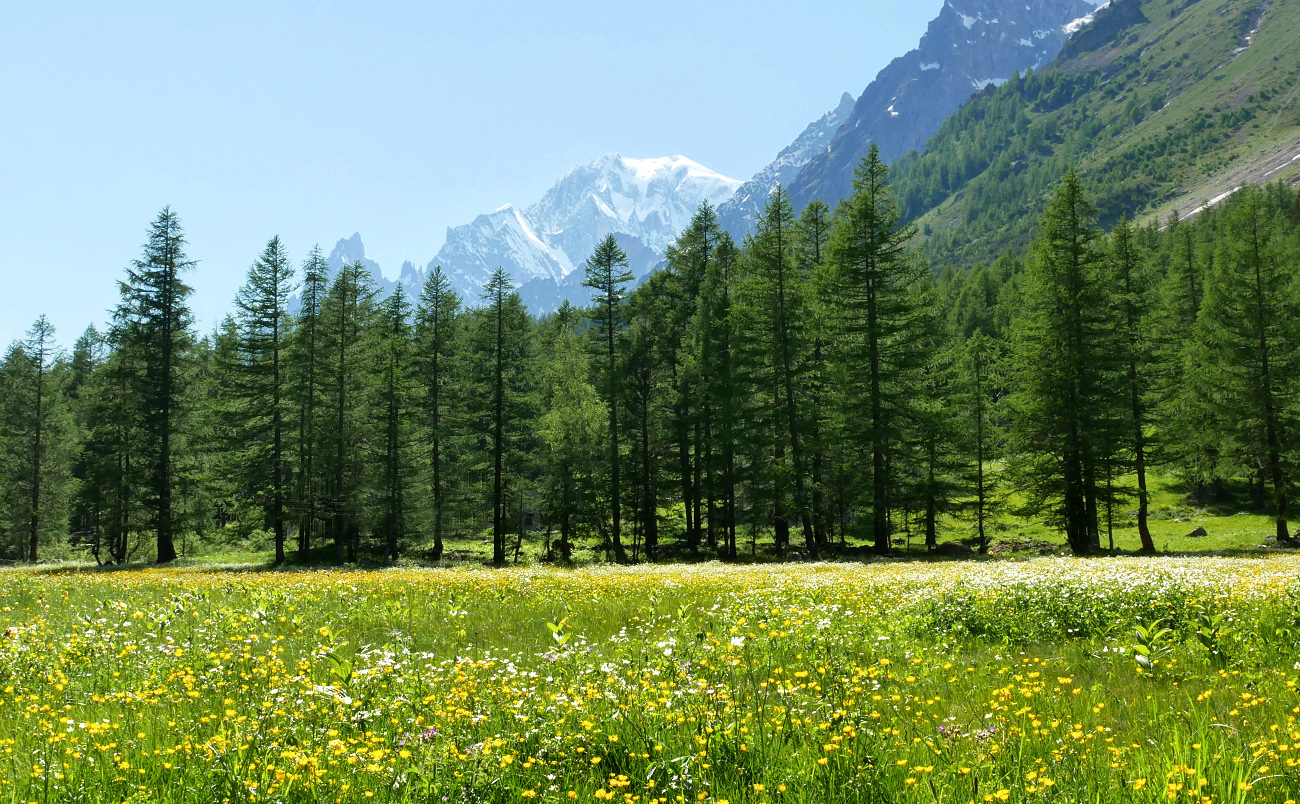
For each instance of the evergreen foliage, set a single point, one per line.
(818, 377)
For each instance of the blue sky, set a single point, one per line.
(395, 119)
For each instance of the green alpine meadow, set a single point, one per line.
(951, 458)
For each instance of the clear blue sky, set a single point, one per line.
(395, 119)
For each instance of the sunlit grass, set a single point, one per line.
(984, 681)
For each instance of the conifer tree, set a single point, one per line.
(347, 315)
(394, 398)
(35, 443)
(156, 326)
(978, 384)
(813, 233)
(113, 450)
(437, 335)
(712, 335)
(608, 275)
(262, 307)
(503, 403)
(774, 316)
(1248, 337)
(306, 378)
(88, 354)
(688, 261)
(642, 371)
(1134, 293)
(878, 287)
(1064, 400)
(571, 430)
(931, 464)
(1188, 428)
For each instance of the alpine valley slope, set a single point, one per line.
(970, 45)
(1159, 105)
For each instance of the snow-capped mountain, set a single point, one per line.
(645, 203)
(351, 250)
(970, 45)
(738, 213)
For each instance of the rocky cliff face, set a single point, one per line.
(737, 214)
(970, 45)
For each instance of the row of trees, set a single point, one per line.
(816, 385)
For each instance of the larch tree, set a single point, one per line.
(501, 346)
(262, 318)
(347, 316)
(157, 322)
(977, 388)
(437, 335)
(877, 285)
(36, 432)
(1065, 406)
(571, 430)
(1134, 300)
(775, 329)
(306, 378)
(394, 398)
(1248, 337)
(688, 261)
(607, 274)
(814, 230)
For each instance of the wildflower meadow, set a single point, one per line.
(1104, 680)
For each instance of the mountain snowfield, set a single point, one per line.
(644, 203)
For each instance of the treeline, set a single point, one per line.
(812, 388)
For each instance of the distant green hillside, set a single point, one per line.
(1159, 103)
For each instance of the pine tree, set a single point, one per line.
(571, 430)
(156, 323)
(1134, 321)
(688, 261)
(814, 230)
(775, 318)
(1249, 339)
(306, 388)
(347, 315)
(879, 288)
(437, 334)
(263, 320)
(395, 407)
(978, 384)
(712, 335)
(499, 371)
(1064, 401)
(608, 275)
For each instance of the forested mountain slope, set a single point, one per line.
(1158, 104)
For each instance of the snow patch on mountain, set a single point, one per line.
(645, 203)
(738, 213)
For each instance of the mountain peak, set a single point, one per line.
(349, 250)
(968, 46)
(644, 202)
